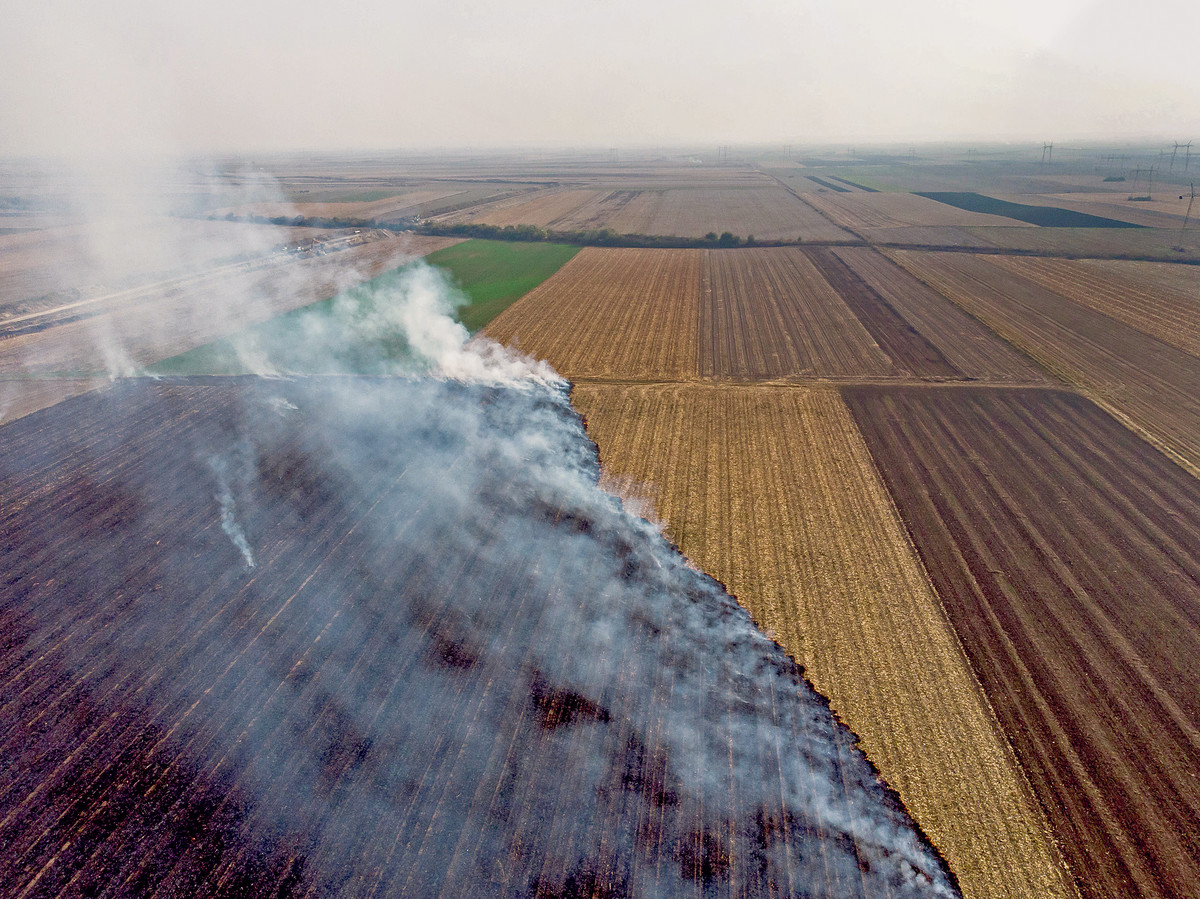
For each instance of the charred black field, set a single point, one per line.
(347, 636)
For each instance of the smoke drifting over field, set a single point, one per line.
(119, 279)
(345, 634)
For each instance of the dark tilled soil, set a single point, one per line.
(1067, 554)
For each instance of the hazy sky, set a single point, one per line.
(259, 74)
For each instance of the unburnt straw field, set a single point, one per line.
(965, 343)
(929, 236)
(1152, 383)
(772, 490)
(751, 314)
(749, 207)
(768, 313)
(1066, 552)
(387, 638)
(1116, 243)
(550, 208)
(612, 314)
(21, 396)
(769, 212)
(1159, 299)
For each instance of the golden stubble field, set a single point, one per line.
(763, 209)
(773, 492)
(1146, 381)
(1157, 298)
(612, 314)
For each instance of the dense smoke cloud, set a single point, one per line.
(396, 633)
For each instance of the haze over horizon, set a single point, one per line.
(266, 75)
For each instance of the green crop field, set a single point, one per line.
(494, 273)
(1045, 216)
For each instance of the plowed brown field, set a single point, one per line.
(1126, 291)
(768, 313)
(969, 346)
(772, 491)
(1067, 554)
(612, 314)
(1152, 383)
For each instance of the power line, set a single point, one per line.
(1186, 216)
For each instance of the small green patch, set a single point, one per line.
(495, 273)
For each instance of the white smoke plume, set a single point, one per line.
(458, 666)
(229, 522)
(400, 325)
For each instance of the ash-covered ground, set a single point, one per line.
(347, 636)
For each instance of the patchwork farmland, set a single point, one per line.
(947, 459)
(735, 474)
(964, 342)
(1152, 383)
(764, 210)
